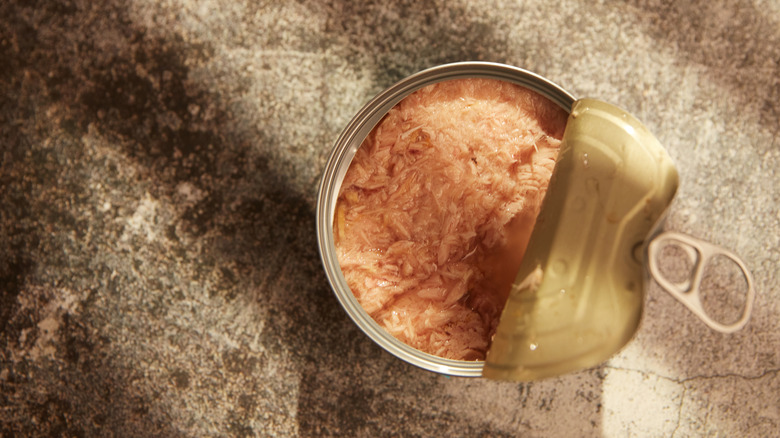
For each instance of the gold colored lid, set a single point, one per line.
(578, 295)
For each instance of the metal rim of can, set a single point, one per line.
(341, 157)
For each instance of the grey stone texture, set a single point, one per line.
(159, 161)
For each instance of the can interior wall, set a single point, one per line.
(336, 167)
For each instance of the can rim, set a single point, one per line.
(336, 167)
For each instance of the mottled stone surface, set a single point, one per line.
(158, 169)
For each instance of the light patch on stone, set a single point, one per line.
(189, 192)
(144, 220)
(44, 345)
(639, 403)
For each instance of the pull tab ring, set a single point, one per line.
(687, 291)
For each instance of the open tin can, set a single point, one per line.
(578, 296)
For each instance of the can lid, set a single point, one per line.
(577, 298)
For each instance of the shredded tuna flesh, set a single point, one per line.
(437, 207)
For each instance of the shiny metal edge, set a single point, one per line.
(336, 167)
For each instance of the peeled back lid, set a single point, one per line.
(578, 296)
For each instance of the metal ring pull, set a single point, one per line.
(687, 291)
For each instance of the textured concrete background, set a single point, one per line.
(158, 169)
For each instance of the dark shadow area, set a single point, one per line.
(18, 237)
(85, 393)
(136, 92)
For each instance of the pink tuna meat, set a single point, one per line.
(437, 207)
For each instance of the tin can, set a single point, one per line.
(545, 332)
(336, 167)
